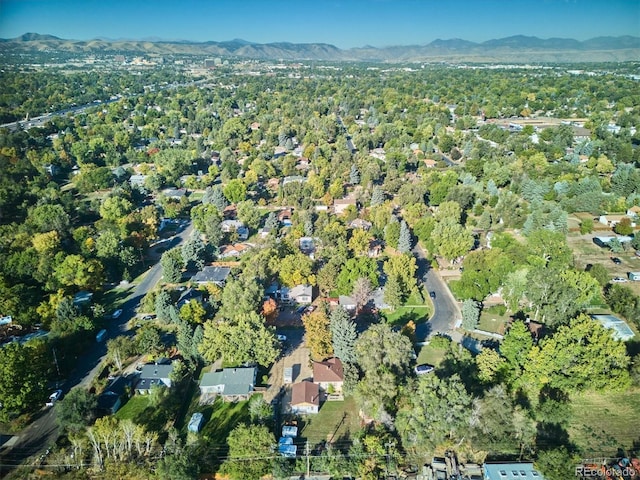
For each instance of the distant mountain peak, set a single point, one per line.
(30, 37)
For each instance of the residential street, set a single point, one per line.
(43, 431)
(446, 311)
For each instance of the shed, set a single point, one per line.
(288, 375)
(195, 424)
(290, 431)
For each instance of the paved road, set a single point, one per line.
(43, 432)
(446, 311)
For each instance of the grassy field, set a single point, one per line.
(401, 315)
(492, 322)
(134, 407)
(604, 422)
(220, 418)
(430, 355)
(334, 421)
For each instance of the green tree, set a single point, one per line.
(76, 410)
(235, 191)
(343, 335)
(451, 240)
(586, 226)
(119, 349)
(193, 312)
(579, 356)
(172, 263)
(393, 292)
(297, 269)
(241, 297)
(557, 464)
(148, 340)
(470, 314)
(115, 208)
(404, 268)
(392, 232)
(80, 272)
(490, 364)
(23, 378)
(623, 227)
(251, 450)
(194, 251)
(245, 339)
(404, 240)
(377, 196)
(214, 196)
(354, 268)
(600, 273)
(515, 348)
(436, 411)
(623, 301)
(249, 214)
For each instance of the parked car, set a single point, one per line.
(53, 398)
(282, 338)
(619, 280)
(117, 313)
(616, 260)
(432, 294)
(424, 368)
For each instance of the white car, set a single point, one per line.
(424, 368)
(53, 398)
(117, 313)
(282, 338)
(619, 280)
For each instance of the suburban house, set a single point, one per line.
(341, 204)
(211, 274)
(152, 376)
(284, 216)
(360, 223)
(307, 245)
(188, 295)
(110, 400)
(375, 248)
(430, 163)
(613, 220)
(305, 398)
(348, 303)
(237, 226)
(329, 374)
(234, 250)
(511, 471)
(137, 181)
(298, 294)
(232, 384)
(633, 212)
(264, 232)
(603, 241)
(174, 193)
(293, 178)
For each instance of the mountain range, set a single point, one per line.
(515, 49)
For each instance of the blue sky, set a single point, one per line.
(344, 23)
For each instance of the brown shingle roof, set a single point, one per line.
(328, 371)
(305, 392)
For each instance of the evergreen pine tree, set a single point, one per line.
(393, 292)
(377, 196)
(272, 222)
(470, 314)
(215, 197)
(194, 250)
(163, 302)
(404, 241)
(343, 334)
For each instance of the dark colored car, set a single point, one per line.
(616, 260)
(432, 294)
(424, 368)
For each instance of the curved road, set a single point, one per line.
(43, 431)
(446, 311)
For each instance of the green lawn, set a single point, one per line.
(134, 408)
(492, 322)
(401, 315)
(604, 422)
(220, 417)
(334, 421)
(430, 355)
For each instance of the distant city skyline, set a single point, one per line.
(343, 23)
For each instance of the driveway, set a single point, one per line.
(446, 311)
(296, 356)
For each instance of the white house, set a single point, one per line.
(305, 398)
(299, 294)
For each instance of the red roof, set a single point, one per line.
(305, 392)
(328, 371)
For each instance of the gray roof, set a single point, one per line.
(511, 471)
(212, 274)
(152, 372)
(236, 381)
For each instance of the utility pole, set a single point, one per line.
(307, 454)
(55, 359)
(388, 445)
